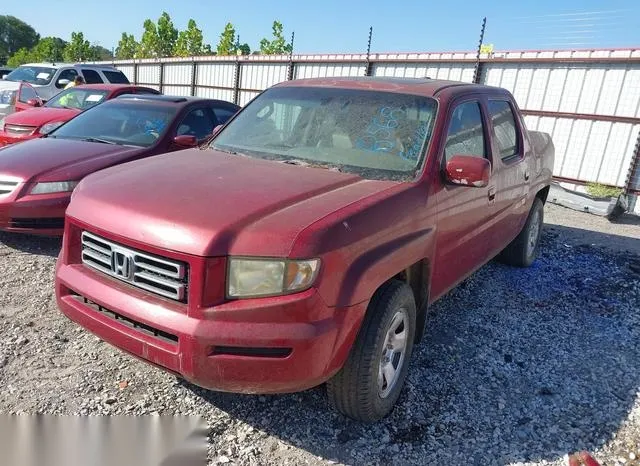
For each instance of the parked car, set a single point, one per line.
(4, 71)
(37, 177)
(307, 244)
(48, 79)
(37, 120)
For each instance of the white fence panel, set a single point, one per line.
(259, 76)
(176, 90)
(220, 94)
(149, 74)
(178, 74)
(216, 74)
(245, 96)
(328, 70)
(128, 71)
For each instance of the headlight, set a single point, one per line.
(54, 187)
(265, 277)
(47, 128)
(8, 97)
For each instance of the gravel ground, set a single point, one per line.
(518, 366)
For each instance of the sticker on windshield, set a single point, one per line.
(94, 98)
(43, 75)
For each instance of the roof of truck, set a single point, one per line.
(421, 86)
(61, 65)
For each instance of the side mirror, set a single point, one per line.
(34, 103)
(467, 170)
(63, 82)
(185, 140)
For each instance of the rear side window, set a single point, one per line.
(223, 114)
(466, 132)
(198, 123)
(505, 128)
(91, 77)
(116, 77)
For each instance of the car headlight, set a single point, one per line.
(47, 128)
(254, 277)
(8, 97)
(54, 187)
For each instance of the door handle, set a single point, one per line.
(526, 175)
(492, 194)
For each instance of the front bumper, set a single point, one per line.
(41, 214)
(268, 345)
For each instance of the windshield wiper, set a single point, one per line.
(102, 141)
(303, 163)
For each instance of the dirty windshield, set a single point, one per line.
(379, 135)
(37, 75)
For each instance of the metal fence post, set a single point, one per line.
(194, 77)
(290, 70)
(367, 69)
(161, 77)
(477, 73)
(135, 73)
(236, 82)
(634, 168)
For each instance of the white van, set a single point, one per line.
(50, 78)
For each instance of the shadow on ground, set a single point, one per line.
(517, 365)
(40, 245)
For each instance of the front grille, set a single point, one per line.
(124, 320)
(7, 186)
(38, 223)
(151, 273)
(19, 130)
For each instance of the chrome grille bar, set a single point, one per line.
(163, 277)
(7, 186)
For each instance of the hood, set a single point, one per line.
(9, 85)
(39, 116)
(208, 203)
(49, 159)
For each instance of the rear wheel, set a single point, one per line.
(523, 250)
(369, 384)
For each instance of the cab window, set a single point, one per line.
(504, 127)
(198, 122)
(68, 74)
(91, 77)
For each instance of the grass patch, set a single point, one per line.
(602, 190)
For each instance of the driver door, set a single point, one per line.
(27, 97)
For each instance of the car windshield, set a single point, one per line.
(378, 135)
(119, 123)
(38, 75)
(76, 97)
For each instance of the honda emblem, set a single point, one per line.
(121, 264)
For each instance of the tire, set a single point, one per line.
(356, 390)
(523, 250)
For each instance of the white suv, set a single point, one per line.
(50, 78)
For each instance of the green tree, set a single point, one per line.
(49, 49)
(190, 42)
(15, 34)
(148, 47)
(101, 53)
(167, 36)
(227, 43)
(278, 45)
(127, 47)
(78, 49)
(21, 57)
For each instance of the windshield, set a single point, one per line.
(379, 135)
(119, 123)
(37, 75)
(76, 97)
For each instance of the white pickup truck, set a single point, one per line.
(47, 79)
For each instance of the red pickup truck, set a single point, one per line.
(306, 243)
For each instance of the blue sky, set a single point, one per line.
(342, 25)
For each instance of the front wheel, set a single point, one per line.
(523, 250)
(369, 384)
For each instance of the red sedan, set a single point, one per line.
(35, 120)
(37, 177)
